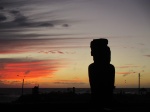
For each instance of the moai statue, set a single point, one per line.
(101, 73)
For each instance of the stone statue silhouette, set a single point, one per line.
(101, 73)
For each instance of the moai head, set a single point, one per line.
(100, 51)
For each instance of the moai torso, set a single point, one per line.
(101, 72)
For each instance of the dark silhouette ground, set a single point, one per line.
(71, 102)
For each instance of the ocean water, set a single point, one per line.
(11, 94)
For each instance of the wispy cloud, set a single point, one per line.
(13, 68)
(130, 69)
(147, 55)
(74, 81)
(70, 82)
(34, 26)
(13, 15)
(52, 45)
(128, 66)
(19, 16)
(125, 73)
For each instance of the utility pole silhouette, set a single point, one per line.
(139, 77)
(22, 86)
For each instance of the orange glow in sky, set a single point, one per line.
(48, 42)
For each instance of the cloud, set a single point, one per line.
(52, 51)
(14, 68)
(1, 8)
(47, 24)
(124, 73)
(75, 81)
(2, 17)
(15, 12)
(30, 16)
(25, 26)
(128, 66)
(12, 35)
(27, 72)
(129, 72)
(147, 55)
(53, 45)
(65, 25)
(19, 18)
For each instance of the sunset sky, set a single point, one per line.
(47, 42)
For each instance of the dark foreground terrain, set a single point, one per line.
(69, 102)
